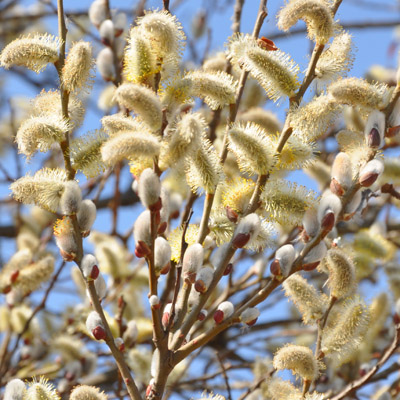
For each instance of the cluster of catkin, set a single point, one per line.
(166, 140)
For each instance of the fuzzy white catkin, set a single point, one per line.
(250, 314)
(86, 215)
(71, 198)
(15, 390)
(120, 21)
(286, 256)
(141, 228)
(316, 254)
(107, 32)
(154, 300)
(341, 170)
(97, 12)
(227, 308)
(250, 224)
(87, 264)
(105, 64)
(101, 287)
(93, 320)
(193, 258)
(166, 205)
(310, 222)
(205, 275)
(131, 333)
(354, 203)
(149, 187)
(373, 167)
(329, 203)
(162, 253)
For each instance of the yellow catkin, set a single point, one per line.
(306, 298)
(78, 64)
(342, 276)
(266, 119)
(299, 359)
(32, 51)
(85, 392)
(316, 14)
(42, 390)
(274, 70)
(342, 337)
(358, 92)
(252, 147)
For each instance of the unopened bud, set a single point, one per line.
(370, 173)
(204, 279)
(341, 174)
(202, 315)
(328, 210)
(107, 32)
(250, 316)
(166, 314)
(100, 286)
(119, 344)
(71, 198)
(231, 214)
(154, 302)
(315, 255)
(228, 269)
(224, 311)
(86, 216)
(285, 256)
(141, 231)
(95, 326)
(192, 261)
(248, 228)
(90, 267)
(15, 390)
(105, 64)
(131, 333)
(149, 190)
(162, 256)
(310, 223)
(120, 22)
(97, 12)
(375, 129)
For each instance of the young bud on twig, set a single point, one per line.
(284, 258)
(314, 257)
(107, 32)
(105, 64)
(248, 228)
(86, 216)
(375, 129)
(371, 172)
(192, 261)
(202, 315)
(166, 313)
(90, 267)
(15, 390)
(310, 224)
(100, 286)
(204, 279)
(131, 334)
(224, 311)
(120, 22)
(341, 174)
(141, 232)
(299, 359)
(119, 344)
(97, 12)
(71, 198)
(149, 190)
(154, 302)
(328, 210)
(95, 326)
(250, 316)
(162, 256)
(85, 392)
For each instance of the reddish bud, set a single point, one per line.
(95, 272)
(165, 269)
(231, 214)
(200, 286)
(165, 319)
(240, 240)
(67, 256)
(190, 278)
(275, 268)
(202, 315)
(374, 139)
(396, 318)
(328, 221)
(336, 187)
(393, 131)
(162, 228)
(14, 276)
(310, 266)
(368, 179)
(156, 206)
(174, 215)
(99, 333)
(266, 44)
(7, 289)
(251, 323)
(228, 269)
(218, 316)
(141, 249)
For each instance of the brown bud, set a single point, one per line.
(156, 206)
(231, 214)
(161, 229)
(67, 256)
(310, 266)
(200, 286)
(14, 276)
(275, 268)
(240, 240)
(328, 221)
(99, 333)
(374, 139)
(228, 269)
(251, 323)
(266, 44)
(218, 316)
(336, 187)
(368, 179)
(141, 249)
(165, 269)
